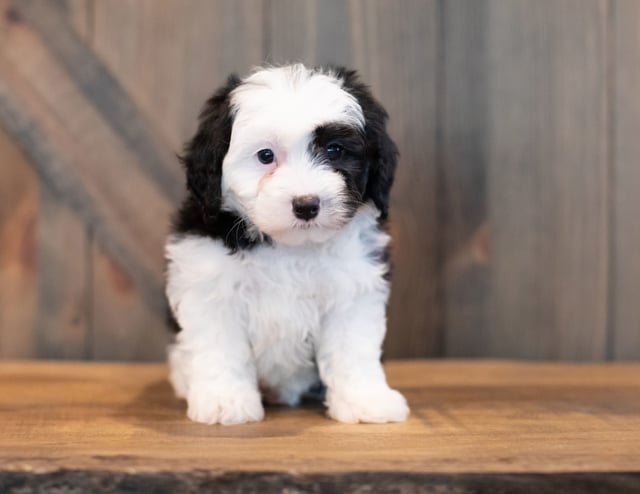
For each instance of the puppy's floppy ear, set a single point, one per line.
(383, 156)
(203, 155)
(381, 152)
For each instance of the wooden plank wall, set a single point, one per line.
(18, 272)
(625, 176)
(514, 210)
(548, 179)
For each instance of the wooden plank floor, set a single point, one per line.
(468, 418)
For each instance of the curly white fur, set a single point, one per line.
(275, 319)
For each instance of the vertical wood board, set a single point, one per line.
(18, 252)
(464, 233)
(548, 179)
(62, 322)
(625, 257)
(312, 32)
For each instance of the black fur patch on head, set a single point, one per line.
(380, 151)
(201, 212)
(351, 163)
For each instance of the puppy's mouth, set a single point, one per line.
(306, 225)
(296, 226)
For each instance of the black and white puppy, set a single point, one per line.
(277, 269)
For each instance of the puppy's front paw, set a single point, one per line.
(235, 404)
(379, 404)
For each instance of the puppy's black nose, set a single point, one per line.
(306, 207)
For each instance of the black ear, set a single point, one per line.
(381, 152)
(203, 155)
(383, 156)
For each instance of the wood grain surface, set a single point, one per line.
(467, 417)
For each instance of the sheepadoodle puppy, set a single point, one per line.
(277, 268)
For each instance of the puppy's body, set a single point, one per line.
(271, 301)
(282, 302)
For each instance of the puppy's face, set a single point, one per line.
(296, 164)
(305, 149)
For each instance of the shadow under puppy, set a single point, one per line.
(277, 263)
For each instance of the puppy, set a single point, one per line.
(277, 263)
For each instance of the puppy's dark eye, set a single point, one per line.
(266, 156)
(334, 151)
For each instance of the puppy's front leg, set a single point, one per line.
(348, 355)
(213, 358)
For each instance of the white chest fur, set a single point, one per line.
(276, 297)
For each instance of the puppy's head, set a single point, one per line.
(293, 151)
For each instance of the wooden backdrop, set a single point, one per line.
(515, 213)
